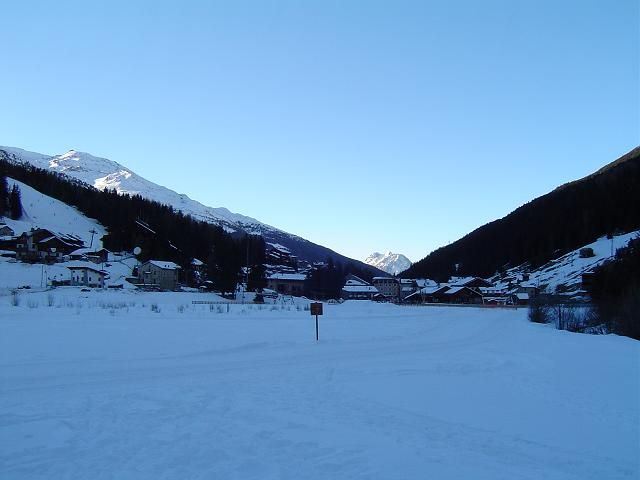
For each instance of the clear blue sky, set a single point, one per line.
(359, 125)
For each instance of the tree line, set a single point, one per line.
(615, 291)
(10, 198)
(545, 228)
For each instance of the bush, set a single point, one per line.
(540, 309)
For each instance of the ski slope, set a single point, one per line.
(148, 386)
(42, 211)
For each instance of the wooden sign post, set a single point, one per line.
(316, 309)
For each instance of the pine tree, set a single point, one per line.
(4, 193)
(15, 203)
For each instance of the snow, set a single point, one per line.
(360, 288)
(567, 270)
(105, 385)
(288, 276)
(15, 274)
(103, 173)
(392, 263)
(279, 247)
(84, 265)
(164, 264)
(41, 211)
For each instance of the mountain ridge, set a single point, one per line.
(389, 262)
(102, 173)
(573, 214)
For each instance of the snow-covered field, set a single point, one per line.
(127, 385)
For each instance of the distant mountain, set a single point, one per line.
(392, 263)
(103, 173)
(572, 215)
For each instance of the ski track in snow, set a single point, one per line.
(389, 392)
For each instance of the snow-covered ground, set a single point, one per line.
(566, 271)
(130, 385)
(42, 211)
(104, 173)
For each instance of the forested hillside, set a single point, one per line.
(159, 230)
(570, 216)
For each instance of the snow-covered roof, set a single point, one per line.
(355, 282)
(197, 262)
(86, 250)
(522, 296)
(84, 266)
(460, 281)
(288, 276)
(430, 290)
(360, 288)
(425, 282)
(164, 264)
(492, 290)
(454, 290)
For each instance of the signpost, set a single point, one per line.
(316, 309)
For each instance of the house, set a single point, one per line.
(87, 275)
(287, 283)
(388, 286)
(6, 230)
(521, 298)
(158, 274)
(42, 245)
(92, 255)
(529, 288)
(429, 294)
(462, 295)
(407, 287)
(356, 288)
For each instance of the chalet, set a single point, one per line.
(91, 255)
(6, 230)
(287, 283)
(429, 294)
(42, 245)
(462, 295)
(87, 275)
(356, 288)
(501, 295)
(158, 274)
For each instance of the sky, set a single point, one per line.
(361, 125)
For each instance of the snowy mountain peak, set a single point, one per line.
(103, 173)
(389, 262)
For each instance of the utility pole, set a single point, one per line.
(92, 232)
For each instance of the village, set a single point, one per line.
(286, 276)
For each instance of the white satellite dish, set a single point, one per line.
(137, 250)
